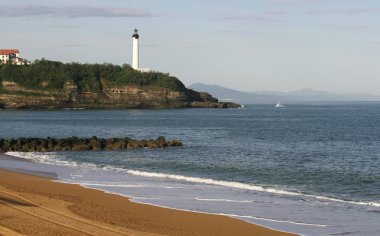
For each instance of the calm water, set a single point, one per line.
(320, 163)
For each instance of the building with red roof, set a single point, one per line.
(12, 55)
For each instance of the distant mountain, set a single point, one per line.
(270, 97)
(226, 94)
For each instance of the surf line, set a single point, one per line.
(273, 220)
(242, 186)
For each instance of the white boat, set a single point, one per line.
(279, 105)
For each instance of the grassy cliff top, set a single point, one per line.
(54, 76)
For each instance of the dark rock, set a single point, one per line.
(95, 144)
(161, 139)
(175, 143)
(80, 147)
(81, 144)
(133, 144)
(152, 144)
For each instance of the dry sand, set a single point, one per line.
(31, 205)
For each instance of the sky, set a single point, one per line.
(247, 45)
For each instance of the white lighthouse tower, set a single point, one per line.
(135, 56)
(135, 43)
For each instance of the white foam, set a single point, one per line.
(273, 220)
(76, 176)
(238, 201)
(223, 200)
(54, 160)
(25, 155)
(147, 198)
(115, 185)
(375, 204)
(48, 158)
(243, 186)
(211, 182)
(128, 185)
(236, 216)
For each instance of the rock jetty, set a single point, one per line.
(81, 144)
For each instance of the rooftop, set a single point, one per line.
(8, 51)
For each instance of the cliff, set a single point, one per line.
(55, 85)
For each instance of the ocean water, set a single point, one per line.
(309, 169)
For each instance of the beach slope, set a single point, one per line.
(31, 205)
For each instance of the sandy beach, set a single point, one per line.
(31, 205)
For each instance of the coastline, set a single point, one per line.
(32, 204)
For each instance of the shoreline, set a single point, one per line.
(96, 207)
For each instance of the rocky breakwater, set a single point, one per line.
(81, 144)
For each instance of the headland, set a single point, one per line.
(55, 85)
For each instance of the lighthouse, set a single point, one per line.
(135, 55)
(135, 45)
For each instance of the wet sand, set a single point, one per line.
(31, 205)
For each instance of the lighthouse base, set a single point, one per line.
(143, 70)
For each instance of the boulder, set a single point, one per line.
(81, 144)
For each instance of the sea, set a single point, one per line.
(309, 169)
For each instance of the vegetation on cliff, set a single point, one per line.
(53, 75)
(56, 85)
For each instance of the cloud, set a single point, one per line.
(72, 45)
(73, 11)
(351, 11)
(147, 45)
(276, 13)
(281, 1)
(289, 1)
(313, 12)
(244, 17)
(355, 11)
(266, 16)
(62, 27)
(355, 27)
(190, 46)
(234, 31)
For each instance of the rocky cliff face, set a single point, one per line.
(15, 96)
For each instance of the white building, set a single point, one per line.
(12, 55)
(135, 53)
